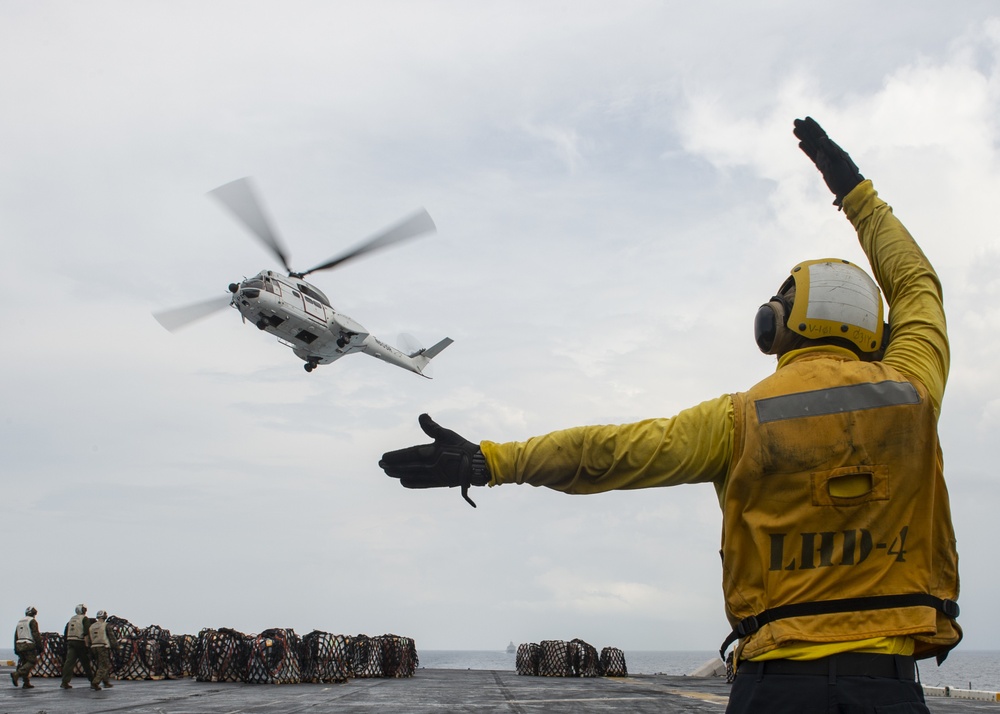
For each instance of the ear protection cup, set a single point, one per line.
(828, 300)
(765, 326)
(770, 329)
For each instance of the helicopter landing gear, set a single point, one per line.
(310, 365)
(261, 324)
(341, 342)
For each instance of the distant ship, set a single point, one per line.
(511, 649)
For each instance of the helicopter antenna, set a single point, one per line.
(417, 224)
(239, 197)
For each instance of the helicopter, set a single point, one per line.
(295, 311)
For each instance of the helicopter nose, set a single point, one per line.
(233, 287)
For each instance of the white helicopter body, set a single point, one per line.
(297, 312)
(301, 317)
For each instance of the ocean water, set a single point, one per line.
(964, 669)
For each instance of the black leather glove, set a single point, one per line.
(840, 173)
(450, 461)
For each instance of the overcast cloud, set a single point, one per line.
(616, 189)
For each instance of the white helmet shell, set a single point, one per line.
(835, 298)
(81, 609)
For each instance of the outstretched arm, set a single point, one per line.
(918, 345)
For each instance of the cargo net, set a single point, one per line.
(583, 659)
(274, 658)
(399, 655)
(181, 658)
(613, 662)
(383, 656)
(576, 658)
(325, 658)
(50, 659)
(527, 659)
(140, 654)
(222, 655)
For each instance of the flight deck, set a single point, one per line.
(428, 691)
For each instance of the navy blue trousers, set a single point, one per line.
(758, 691)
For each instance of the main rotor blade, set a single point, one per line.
(417, 224)
(239, 197)
(178, 317)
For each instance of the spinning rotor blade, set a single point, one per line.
(179, 317)
(238, 196)
(417, 224)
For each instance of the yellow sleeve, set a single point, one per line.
(693, 447)
(918, 345)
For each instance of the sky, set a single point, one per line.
(616, 189)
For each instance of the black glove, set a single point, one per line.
(450, 461)
(840, 173)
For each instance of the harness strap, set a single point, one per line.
(749, 625)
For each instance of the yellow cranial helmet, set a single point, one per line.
(823, 299)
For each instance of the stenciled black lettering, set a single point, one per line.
(777, 551)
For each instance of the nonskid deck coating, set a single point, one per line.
(429, 690)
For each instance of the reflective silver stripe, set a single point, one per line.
(836, 400)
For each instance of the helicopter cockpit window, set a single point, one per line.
(314, 294)
(253, 283)
(269, 285)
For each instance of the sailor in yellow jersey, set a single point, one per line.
(839, 560)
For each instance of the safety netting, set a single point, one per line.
(613, 662)
(576, 658)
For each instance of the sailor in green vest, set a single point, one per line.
(839, 564)
(77, 642)
(102, 641)
(27, 646)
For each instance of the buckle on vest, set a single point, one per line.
(747, 626)
(950, 608)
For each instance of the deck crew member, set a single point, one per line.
(77, 644)
(27, 646)
(102, 641)
(839, 557)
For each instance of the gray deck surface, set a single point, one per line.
(429, 690)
